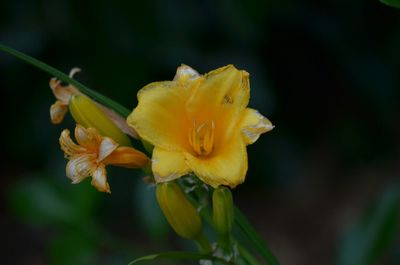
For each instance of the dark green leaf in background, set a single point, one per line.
(148, 212)
(368, 241)
(394, 3)
(173, 256)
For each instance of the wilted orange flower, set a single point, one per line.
(63, 94)
(93, 152)
(199, 124)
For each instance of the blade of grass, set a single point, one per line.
(247, 256)
(174, 255)
(393, 3)
(257, 241)
(60, 75)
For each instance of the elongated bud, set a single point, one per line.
(86, 113)
(180, 213)
(223, 213)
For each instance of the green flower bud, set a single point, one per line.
(86, 113)
(180, 213)
(223, 214)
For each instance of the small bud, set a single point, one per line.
(223, 214)
(85, 112)
(180, 213)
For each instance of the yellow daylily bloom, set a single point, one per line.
(63, 94)
(93, 152)
(199, 123)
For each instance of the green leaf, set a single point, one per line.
(394, 3)
(247, 256)
(60, 75)
(367, 242)
(36, 200)
(178, 255)
(253, 236)
(71, 246)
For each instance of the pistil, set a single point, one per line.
(201, 137)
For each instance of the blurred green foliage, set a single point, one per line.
(369, 240)
(395, 3)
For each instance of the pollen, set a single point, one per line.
(201, 137)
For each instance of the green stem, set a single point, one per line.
(60, 75)
(203, 244)
(257, 241)
(225, 242)
(247, 256)
(245, 227)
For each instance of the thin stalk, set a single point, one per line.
(60, 75)
(257, 241)
(247, 256)
(203, 244)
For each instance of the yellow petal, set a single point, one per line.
(99, 179)
(88, 138)
(80, 167)
(160, 117)
(57, 112)
(185, 74)
(68, 146)
(126, 157)
(107, 146)
(253, 124)
(168, 165)
(222, 96)
(227, 166)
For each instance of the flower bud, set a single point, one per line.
(223, 213)
(180, 213)
(86, 113)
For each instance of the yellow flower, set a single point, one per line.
(93, 152)
(63, 94)
(199, 124)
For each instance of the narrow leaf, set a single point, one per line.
(60, 75)
(173, 255)
(370, 239)
(394, 3)
(257, 241)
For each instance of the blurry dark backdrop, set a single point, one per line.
(322, 187)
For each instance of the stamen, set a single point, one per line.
(201, 137)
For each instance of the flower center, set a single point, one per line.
(201, 137)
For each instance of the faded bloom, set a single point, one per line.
(93, 153)
(199, 124)
(63, 95)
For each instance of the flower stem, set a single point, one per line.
(247, 256)
(257, 241)
(203, 244)
(124, 112)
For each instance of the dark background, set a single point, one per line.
(322, 187)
